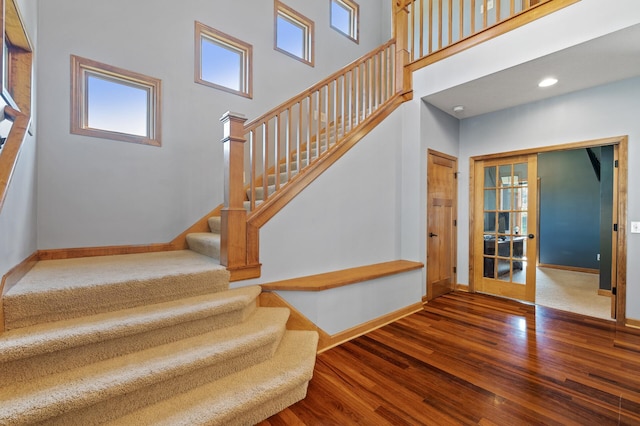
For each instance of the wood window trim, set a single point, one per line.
(291, 14)
(204, 31)
(79, 125)
(355, 24)
(16, 84)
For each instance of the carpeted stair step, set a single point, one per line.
(244, 398)
(205, 243)
(260, 192)
(106, 390)
(293, 166)
(215, 224)
(61, 289)
(29, 352)
(284, 178)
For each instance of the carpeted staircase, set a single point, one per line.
(154, 338)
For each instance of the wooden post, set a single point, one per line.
(402, 44)
(233, 241)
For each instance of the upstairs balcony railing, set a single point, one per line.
(434, 25)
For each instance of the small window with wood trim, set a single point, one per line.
(113, 103)
(223, 61)
(345, 18)
(294, 34)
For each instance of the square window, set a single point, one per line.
(108, 110)
(112, 103)
(223, 61)
(344, 18)
(293, 34)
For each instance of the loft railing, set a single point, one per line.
(434, 25)
(285, 141)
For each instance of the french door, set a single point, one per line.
(505, 226)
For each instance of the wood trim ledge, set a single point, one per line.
(334, 279)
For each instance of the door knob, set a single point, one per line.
(431, 234)
(531, 236)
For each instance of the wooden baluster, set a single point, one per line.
(233, 242)
(327, 116)
(278, 148)
(450, 41)
(309, 125)
(289, 148)
(484, 15)
(473, 17)
(318, 122)
(253, 161)
(265, 160)
(402, 36)
(301, 132)
(461, 18)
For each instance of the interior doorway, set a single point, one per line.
(441, 223)
(479, 215)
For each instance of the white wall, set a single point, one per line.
(601, 112)
(424, 127)
(18, 216)
(94, 192)
(348, 217)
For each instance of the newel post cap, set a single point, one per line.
(233, 127)
(230, 115)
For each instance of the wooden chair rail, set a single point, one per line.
(329, 280)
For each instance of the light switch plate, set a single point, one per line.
(635, 227)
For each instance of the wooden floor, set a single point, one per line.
(477, 360)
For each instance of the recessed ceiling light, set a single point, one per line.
(549, 81)
(458, 108)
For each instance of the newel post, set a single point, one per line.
(402, 44)
(233, 240)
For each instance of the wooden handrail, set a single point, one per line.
(11, 148)
(283, 106)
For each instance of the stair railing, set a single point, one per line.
(265, 155)
(285, 141)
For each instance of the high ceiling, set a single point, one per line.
(606, 59)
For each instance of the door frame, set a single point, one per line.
(619, 261)
(454, 243)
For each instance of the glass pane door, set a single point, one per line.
(507, 256)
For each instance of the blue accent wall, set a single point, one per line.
(606, 215)
(569, 209)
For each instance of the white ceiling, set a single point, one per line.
(613, 57)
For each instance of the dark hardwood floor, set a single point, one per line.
(473, 359)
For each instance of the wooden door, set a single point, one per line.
(441, 224)
(504, 227)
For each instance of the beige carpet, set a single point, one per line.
(571, 291)
(122, 338)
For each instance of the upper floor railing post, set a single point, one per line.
(402, 44)
(233, 239)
